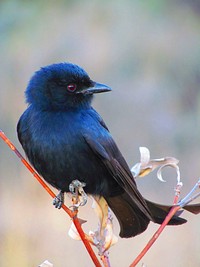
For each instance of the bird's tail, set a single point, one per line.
(132, 221)
(160, 211)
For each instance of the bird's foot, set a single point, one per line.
(79, 195)
(59, 200)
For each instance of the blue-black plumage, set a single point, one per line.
(65, 139)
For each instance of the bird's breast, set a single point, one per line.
(59, 152)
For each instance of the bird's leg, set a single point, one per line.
(79, 195)
(59, 200)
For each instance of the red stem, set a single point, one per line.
(173, 210)
(171, 213)
(72, 214)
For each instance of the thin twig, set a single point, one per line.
(171, 213)
(177, 193)
(173, 210)
(72, 214)
(105, 260)
(177, 206)
(188, 198)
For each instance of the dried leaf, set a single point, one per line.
(144, 155)
(104, 236)
(136, 169)
(146, 165)
(173, 165)
(145, 171)
(100, 207)
(110, 238)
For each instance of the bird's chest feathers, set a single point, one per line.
(61, 133)
(60, 148)
(56, 130)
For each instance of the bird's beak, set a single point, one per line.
(95, 89)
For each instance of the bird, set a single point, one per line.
(64, 138)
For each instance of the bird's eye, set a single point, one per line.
(71, 87)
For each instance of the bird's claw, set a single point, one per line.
(58, 200)
(79, 195)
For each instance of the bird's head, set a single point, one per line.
(62, 86)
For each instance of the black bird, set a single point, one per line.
(65, 139)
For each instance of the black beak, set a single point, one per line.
(95, 89)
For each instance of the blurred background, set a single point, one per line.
(149, 53)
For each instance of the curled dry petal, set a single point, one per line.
(104, 234)
(144, 155)
(103, 238)
(110, 238)
(147, 165)
(100, 207)
(173, 165)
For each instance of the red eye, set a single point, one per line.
(71, 87)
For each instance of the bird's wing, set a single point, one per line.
(98, 118)
(109, 154)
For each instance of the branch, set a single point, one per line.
(176, 207)
(173, 210)
(72, 214)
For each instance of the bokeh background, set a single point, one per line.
(149, 53)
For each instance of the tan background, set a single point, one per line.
(149, 53)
